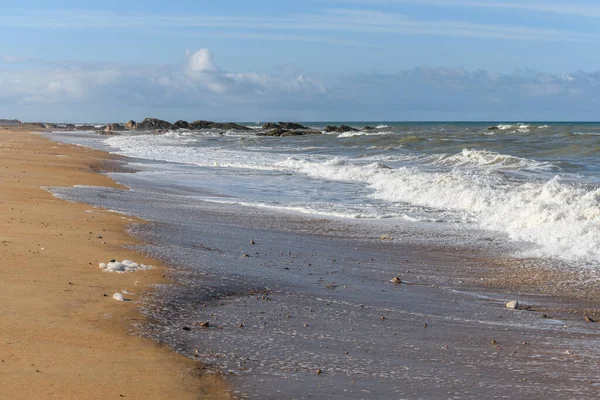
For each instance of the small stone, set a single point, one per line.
(187, 328)
(252, 242)
(513, 305)
(396, 280)
(588, 319)
(319, 372)
(204, 324)
(241, 325)
(382, 317)
(305, 324)
(118, 297)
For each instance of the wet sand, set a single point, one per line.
(62, 335)
(303, 307)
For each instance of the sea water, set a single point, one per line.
(287, 245)
(536, 184)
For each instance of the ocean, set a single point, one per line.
(287, 245)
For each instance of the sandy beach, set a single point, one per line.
(62, 335)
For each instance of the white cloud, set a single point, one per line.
(203, 72)
(59, 91)
(575, 8)
(327, 21)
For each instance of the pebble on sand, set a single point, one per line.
(396, 280)
(513, 305)
(118, 297)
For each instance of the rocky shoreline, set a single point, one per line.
(156, 125)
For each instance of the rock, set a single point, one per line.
(396, 280)
(181, 124)
(368, 128)
(588, 319)
(279, 132)
(513, 305)
(186, 328)
(201, 124)
(118, 297)
(10, 122)
(153, 124)
(339, 129)
(319, 372)
(114, 128)
(50, 126)
(84, 128)
(270, 125)
(284, 125)
(493, 128)
(130, 125)
(33, 125)
(205, 324)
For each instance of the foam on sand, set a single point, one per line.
(123, 266)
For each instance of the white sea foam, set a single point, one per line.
(325, 210)
(362, 133)
(488, 160)
(561, 219)
(381, 126)
(514, 128)
(123, 266)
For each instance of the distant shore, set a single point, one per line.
(64, 336)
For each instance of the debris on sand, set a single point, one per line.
(513, 305)
(396, 280)
(588, 319)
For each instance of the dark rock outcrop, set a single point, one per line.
(201, 124)
(283, 125)
(279, 132)
(493, 128)
(153, 124)
(84, 128)
(339, 129)
(130, 125)
(368, 128)
(115, 127)
(10, 122)
(181, 124)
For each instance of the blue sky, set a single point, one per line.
(311, 60)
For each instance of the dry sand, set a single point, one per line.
(60, 337)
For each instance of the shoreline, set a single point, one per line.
(284, 293)
(63, 336)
